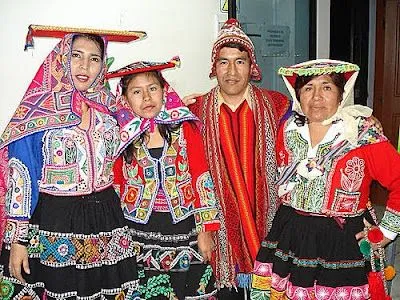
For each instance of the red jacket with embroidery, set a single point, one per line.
(346, 176)
(185, 182)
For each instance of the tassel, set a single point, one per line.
(375, 235)
(29, 39)
(176, 61)
(365, 248)
(243, 280)
(390, 273)
(376, 288)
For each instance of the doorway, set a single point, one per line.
(282, 32)
(350, 38)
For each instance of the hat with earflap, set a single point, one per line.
(232, 32)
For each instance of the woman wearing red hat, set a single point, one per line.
(65, 236)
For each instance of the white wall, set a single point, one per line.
(175, 27)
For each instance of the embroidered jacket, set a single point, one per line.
(68, 161)
(47, 151)
(185, 181)
(334, 177)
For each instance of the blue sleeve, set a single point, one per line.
(25, 161)
(287, 114)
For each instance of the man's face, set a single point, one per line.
(233, 73)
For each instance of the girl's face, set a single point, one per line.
(145, 95)
(86, 62)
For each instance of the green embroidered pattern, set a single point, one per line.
(309, 194)
(157, 286)
(6, 289)
(313, 263)
(391, 221)
(260, 295)
(204, 280)
(35, 247)
(315, 70)
(132, 175)
(70, 152)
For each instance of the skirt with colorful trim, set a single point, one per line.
(170, 262)
(79, 248)
(309, 257)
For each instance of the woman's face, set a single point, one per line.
(86, 62)
(319, 99)
(145, 95)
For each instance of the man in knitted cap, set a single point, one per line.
(240, 126)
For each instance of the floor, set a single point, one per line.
(396, 281)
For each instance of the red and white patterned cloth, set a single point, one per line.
(3, 191)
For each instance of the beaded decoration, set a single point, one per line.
(376, 278)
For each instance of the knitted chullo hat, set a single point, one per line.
(231, 32)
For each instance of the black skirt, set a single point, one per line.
(79, 248)
(172, 267)
(304, 257)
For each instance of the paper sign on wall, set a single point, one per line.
(224, 4)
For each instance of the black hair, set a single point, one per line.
(94, 38)
(238, 46)
(338, 80)
(165, 130)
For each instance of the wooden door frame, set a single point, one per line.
(378, 194)
(379, 58)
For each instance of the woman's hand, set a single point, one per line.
(18, 258)
(190, 99)
(361, 235)
(206, 245)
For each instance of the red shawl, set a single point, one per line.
(245, 218)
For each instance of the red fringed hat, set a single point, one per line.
(51, 101)
(231, 32)
(60, 32)
(173, 110)
(144, 66)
